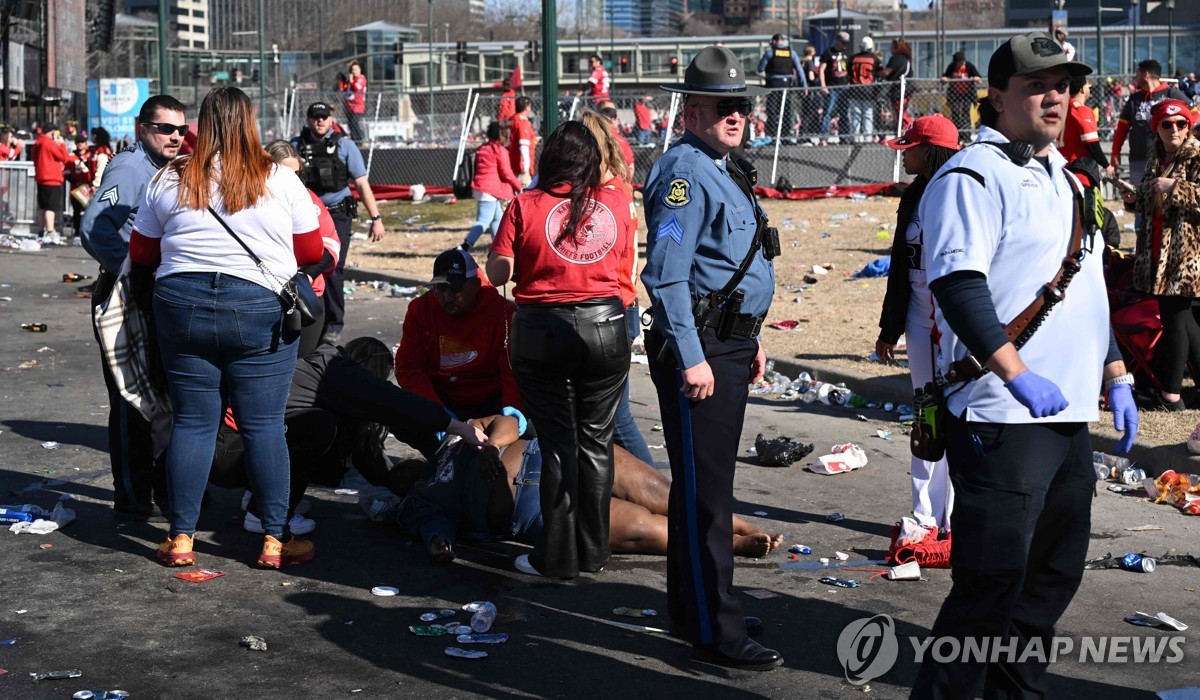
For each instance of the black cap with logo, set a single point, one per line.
(1029, 53)
(319, 109)
(454, 267)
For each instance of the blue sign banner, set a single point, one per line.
(114, 103)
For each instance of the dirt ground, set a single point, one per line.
(838, 315)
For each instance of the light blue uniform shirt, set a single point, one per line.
(700, 228)
(108, 221)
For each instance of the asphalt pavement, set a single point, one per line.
(91, 597)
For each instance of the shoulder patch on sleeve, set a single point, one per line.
(678, 193)
(670, 229)
(111, 196)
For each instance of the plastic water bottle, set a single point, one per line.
(483, 618)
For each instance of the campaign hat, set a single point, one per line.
(715, 72)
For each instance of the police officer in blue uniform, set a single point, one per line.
(331, 162)
(710, 279)
(135, 446)
(781, 68)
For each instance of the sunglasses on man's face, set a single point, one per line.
(742, 106)
(168, 129)
(1174, 125)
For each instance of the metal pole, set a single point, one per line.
(903, 8)
(1171, 37)
(429, 70)
(670, 121)
(778, 132)
(321, 45)
(789, 22)
(549, 90)
(899, 129)
(612, 40)
(262, 68)
(371, 153)
(1099, 41)
(162, 47)
(1134, 6)
(4, 41)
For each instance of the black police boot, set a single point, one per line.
(744, 653)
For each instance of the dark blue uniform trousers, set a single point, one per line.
(335, 296)
(1022, 518)
(702, 443)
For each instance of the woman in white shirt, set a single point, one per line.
(220, 317)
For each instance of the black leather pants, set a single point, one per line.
(571, 363)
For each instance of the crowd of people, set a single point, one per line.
(518, 410)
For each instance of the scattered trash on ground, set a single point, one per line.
(253, 643)
(761, 594)
(199, 575)
(910, 571)
(1162, 619)
(781, 451)
(800, 549)
(841, 556)
(439, 614)
(761, 513)
(465, 653)
(1143, 528)
(51, 445)
(841, 458)
(635, 612)
(1180, 490)
(834, 518)
(56, 675)
(427, 630)
(784, 325)
(34, 520)
(839, 582)
(35, 327)
(483, 615)
(495, 638)
(386, 591)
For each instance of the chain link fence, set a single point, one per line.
(812, 138)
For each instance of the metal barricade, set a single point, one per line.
(18, 198)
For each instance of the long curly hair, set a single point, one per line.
(571, 157)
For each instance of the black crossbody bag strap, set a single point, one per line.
(257, 261)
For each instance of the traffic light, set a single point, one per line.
(624, 64)
(254, 76)
(674, 64)
(398, 54)
(461, 54)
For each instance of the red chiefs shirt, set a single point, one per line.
(1079, 131)
(628, 275)
(49, 157)
(76, 170)
(626, 149)
(356, 94)
(587, 265)
(458, 361)
(522, 133)
(641, 116)
(599, 82)
(508, 106)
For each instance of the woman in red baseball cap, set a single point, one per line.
(1168, 242)
(908, 310)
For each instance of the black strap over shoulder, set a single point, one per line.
(743, 183)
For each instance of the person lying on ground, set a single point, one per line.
(494, 493)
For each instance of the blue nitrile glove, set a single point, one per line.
(1125, 415)
(522, 424)
(1040, 395)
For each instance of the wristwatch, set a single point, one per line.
(377, 217)
(1116, 381)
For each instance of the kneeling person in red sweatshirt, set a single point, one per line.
(453, 347)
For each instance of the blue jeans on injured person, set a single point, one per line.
(625, 430)
(487, 216)
(222, 340)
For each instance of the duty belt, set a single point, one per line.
(745, 326)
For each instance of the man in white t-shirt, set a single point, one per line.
(998, 225)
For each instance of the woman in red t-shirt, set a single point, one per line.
(565, 243)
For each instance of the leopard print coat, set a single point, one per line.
(1178, 269)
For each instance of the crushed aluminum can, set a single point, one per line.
(493, 638)
(839, 582)
(1121, 488)
(834, 518)
(438, 614)
(465, 653)
(1138, 563)
(635, 612)
(800, 549)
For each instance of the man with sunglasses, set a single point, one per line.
(134, 446)
(704, 233)
(331, 162)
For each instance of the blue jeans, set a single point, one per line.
(862, 118)
(487, 216)
(222, 337)
(830, 109)
(625, 430)
(644, 135)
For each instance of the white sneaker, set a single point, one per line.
(1193, 442)
(380, 508)
(302, 507)
(298, 525)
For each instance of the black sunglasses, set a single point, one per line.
(168, 129)
(742, 106)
